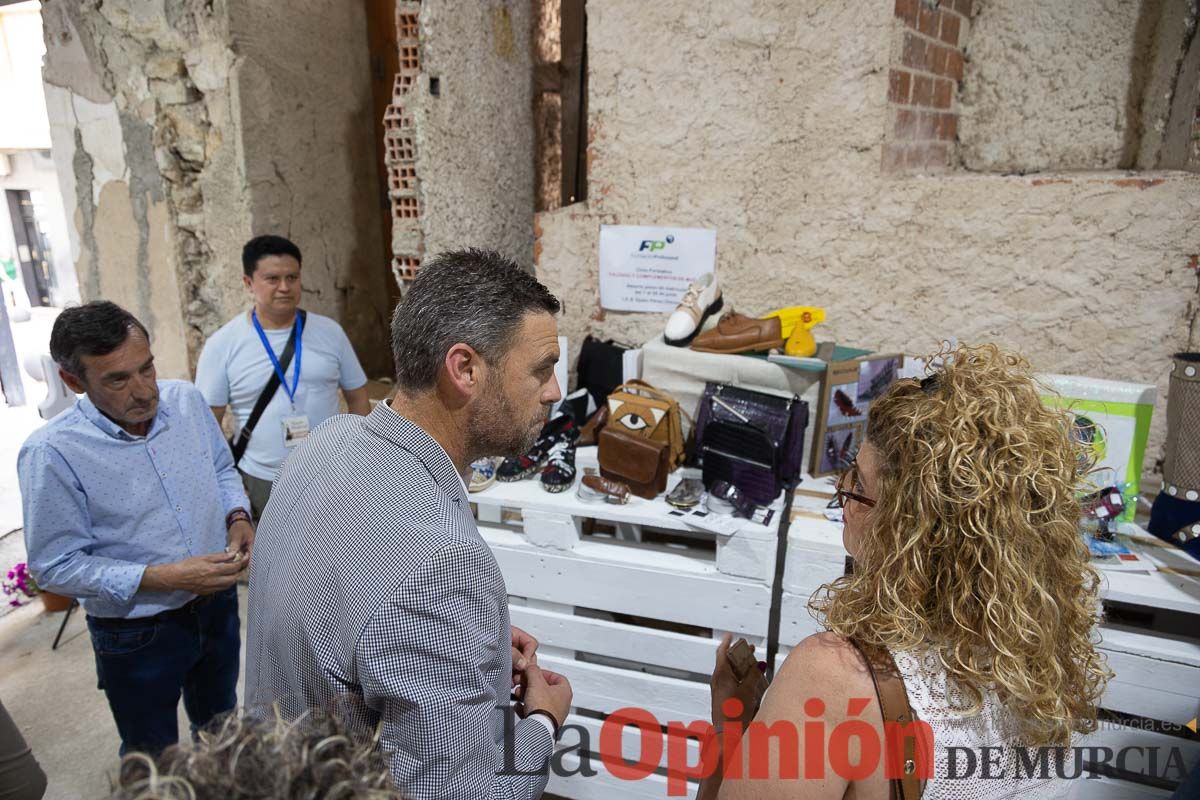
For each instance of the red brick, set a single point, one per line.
(899, 83)
(935, 59)
(928, 126)
(928, 20)
(914, 52)
(963, 7)
(906, 125)
(907, 10)
(930, 154)
(950, 29)
(943, 93)
(922, 91)
(954, 65)
(947, 127)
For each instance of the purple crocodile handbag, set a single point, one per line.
(750, 439)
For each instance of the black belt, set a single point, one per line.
(193, 605)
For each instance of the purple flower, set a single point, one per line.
(15, 603)
(11, 574)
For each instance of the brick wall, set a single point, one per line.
(923, 81)
(400, 149)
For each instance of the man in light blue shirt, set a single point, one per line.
(240, 358)
(133, 506)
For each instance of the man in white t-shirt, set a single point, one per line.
(240, 358)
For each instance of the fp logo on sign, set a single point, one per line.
(656, 244)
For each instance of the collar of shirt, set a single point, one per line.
(403, 432)
(161, 420)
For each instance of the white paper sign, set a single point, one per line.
(645, 268)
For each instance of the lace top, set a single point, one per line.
(948, 710)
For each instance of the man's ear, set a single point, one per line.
(465, 369)
(73, 383)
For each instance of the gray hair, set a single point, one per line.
(247, 755)
(477, 297)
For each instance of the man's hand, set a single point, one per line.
(198, 575)
(524, 652)
(547, 691)
(241, 540)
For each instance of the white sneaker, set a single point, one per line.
(703, 300)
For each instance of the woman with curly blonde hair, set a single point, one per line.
(961, 515)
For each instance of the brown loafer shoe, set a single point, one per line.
(595, 489)
(736, 333)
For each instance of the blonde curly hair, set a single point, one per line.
(973, 546)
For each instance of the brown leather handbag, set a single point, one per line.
(894, 706)
(641, 410)
(640, 463)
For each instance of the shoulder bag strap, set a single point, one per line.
(242, 440)
(894, 706)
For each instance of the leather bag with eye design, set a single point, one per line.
(636, 408)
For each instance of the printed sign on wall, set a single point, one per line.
(645, 268)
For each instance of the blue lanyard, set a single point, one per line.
(299, 328)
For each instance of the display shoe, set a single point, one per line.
(845, 404)
(596, 489)
(687, 493)
(559, 473)
(737, 333)
(483, 474)
(590, 434)
(796, 324)
(702, 300)
(520, 467)
(575, 405)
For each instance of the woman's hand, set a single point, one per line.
(725, 686)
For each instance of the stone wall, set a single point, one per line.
(766, 120)
(306, 125)
(459, 131)
(183, 127)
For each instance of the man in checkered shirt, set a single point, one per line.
(372, 593)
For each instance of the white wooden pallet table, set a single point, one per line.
(632, 614)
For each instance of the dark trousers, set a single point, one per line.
(258, 492)
(144, 665)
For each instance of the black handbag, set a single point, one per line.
(752, 440)
(601, 367)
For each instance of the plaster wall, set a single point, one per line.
(475, 139)
(1047, 85)
(181, 128)
(304, 124)
(765, 120)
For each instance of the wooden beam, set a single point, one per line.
(574, 105)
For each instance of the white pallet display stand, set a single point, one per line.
(1157, 668)
(618, 613)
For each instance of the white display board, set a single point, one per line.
(647, 268)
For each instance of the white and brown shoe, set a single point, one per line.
(703, 300)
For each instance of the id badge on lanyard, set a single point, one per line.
(295, 425)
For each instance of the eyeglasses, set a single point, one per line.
(850, 478)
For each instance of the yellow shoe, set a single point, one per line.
(791, 316)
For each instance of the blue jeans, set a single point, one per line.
(144, 665)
